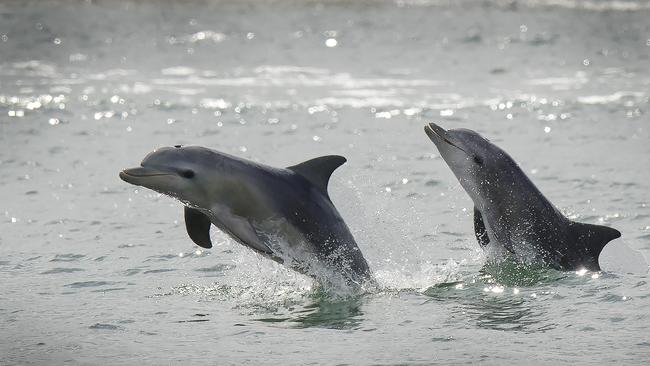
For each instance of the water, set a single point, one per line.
(93, 269)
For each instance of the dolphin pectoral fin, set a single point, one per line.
(242, 231)
(589, 240)
(319, 170)
(479, 229)
(198, 227)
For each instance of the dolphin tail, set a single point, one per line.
(589, 241)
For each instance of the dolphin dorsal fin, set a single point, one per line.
(319, 170)
(590, 241)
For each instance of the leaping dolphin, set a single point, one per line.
(510, 212)
(283, 214)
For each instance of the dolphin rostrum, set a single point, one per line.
(283, 214)
(510, 212)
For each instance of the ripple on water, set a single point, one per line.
(201, 318)
(132, 271)
(85, 284)
(494, 307)
(67, 257)
(103, 326)
(508, 313)
(109, 289)
(216, 270)
(62, 270)
(161, 270)
(160, 258)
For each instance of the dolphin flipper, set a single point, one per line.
(479, 229)
(319, 170)
(198, 227)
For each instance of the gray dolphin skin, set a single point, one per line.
(510, 212)
(283, 214)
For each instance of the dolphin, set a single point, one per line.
(510, 212)
(283, 214)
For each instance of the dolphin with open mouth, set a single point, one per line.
(510, 212)
(283, 214)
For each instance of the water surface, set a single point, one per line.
(93, 269)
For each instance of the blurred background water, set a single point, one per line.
(95, 271)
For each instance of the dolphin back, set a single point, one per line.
(312, 211)
(589, 240)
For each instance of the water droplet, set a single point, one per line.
(547, 129)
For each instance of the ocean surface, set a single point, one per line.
(94, 271)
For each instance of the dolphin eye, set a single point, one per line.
(187, 173)
(478, 160)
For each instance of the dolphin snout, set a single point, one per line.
(133, 174)
(435, 132)
(438, 134)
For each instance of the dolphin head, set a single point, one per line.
(477, 163)
(184, 173)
